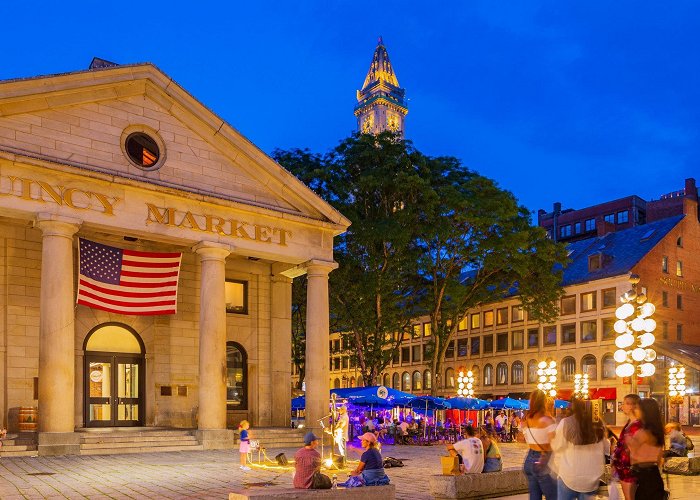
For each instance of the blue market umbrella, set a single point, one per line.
(560, 403)
(506, 404)
(468, 403)
(428, 403)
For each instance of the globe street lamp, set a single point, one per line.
(547, 377)
(581, 386)
(634, 341)
(465, 384)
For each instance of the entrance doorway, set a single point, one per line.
(114, 377)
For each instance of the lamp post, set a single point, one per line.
(547, 377)
(634, 326)
(465, 384)
(676, 386)
(581, 386)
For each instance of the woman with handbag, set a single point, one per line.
(646, 448)
(538, 428)
(579, 446)
(620, 458)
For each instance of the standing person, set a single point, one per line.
(646, 448)
(537, 430)
(471, 450)
(371, 466)
(244, 446)
(488, 422)
(579, 445)
(307, 466)
(620, 458)
(341, 432)
(514, 426)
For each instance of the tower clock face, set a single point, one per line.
(368, 124)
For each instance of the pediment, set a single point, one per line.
(80, 119)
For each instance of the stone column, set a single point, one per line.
(212, 346)
(280, 344)
(317, 351)
(57, 336)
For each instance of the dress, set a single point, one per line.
(472, 452)
(620, 458)
(244, 446)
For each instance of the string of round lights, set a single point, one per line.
(465, 384)
(634, 326)
(581, 386)
(547, 377)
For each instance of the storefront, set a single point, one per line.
(124, 158)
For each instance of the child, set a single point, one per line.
(244, 447)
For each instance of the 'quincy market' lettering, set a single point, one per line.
(217, 225)
(43, 192)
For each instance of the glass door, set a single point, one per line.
(113, 390)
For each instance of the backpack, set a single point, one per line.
(390, 462)
(689, 444)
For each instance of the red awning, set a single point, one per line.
(564, 394)
(604, 393)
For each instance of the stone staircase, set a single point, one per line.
(136, 440)
(19, 445)
(277, 437)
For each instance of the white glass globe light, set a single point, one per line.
(647, 369)
(542, 365)
(470, 374)
(552, 364)
(624, 311)
(650, 356)
(647, 310)
(461, 385)
(624, 341)
(638, 354)
(620, 355)
(553, 392)
(673, 394)
(637, 324)
(624, 370)
(646, 339)
(649, 325)
(470, 385)
(620, 326)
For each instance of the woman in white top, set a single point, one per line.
(580, 450)
(537, 429)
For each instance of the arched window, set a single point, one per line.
(336, 384)
(352, 381)
(236, 377)
(501, 374)
(488, 375)
(608, 366)
(427, 380)
(589, 365)
(417, 381)
(360, 381)
(450, 378)
(517, 371)
(396, 382)
(385, 380)
(532, 371)
(568, 369)
(406, 381)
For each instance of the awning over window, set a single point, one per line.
(604, 393)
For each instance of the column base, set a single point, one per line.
(58, 443)
(215, 439)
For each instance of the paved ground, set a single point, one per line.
(212, 475)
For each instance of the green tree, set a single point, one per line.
(299, 327)
(477, 245)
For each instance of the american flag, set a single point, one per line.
(127, 281)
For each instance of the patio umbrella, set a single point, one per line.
(468, 403)
(429, 403)
(560, 403)
(298, 403)
(506, 404)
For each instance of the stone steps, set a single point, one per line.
(22, 445)
(277, 437)
(117, 442)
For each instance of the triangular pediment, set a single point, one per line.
(82, 119)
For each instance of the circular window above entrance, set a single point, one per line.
(143, 147)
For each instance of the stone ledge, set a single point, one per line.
(687, 466)
(386, 492)
(215, 439)
(485, 485)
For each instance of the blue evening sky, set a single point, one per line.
(578, 102)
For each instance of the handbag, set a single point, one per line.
(689, 444)
(542, 464)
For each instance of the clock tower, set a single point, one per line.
(381, 104)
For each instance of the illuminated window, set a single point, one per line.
(426, 330)
(664, 264)
(501, 374)
(417, 381)
(517, 339)
(589, 366)
(475, 320)
(236, 377)
(502, 316)
(236, 297)
(488, 318)
(588, 301)
(488, 375)
(462, 324)
(568, 367)
(589, 331)
(450, 378)
(679, 268)
(517, 313)
(532, 371)
(517, 373)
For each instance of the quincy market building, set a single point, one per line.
(124, 157)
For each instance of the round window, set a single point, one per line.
(143, 151)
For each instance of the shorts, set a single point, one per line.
(244, 447)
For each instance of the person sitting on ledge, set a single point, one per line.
(307, 466)
(471, 451)
(492, 454)
(371, 466)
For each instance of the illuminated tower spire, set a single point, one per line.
(381, 104)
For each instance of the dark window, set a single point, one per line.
(595, 262)
(517, 339)
(517, 314)
(236, 296)
(679, 333)
(664, 329)
(679, 301)
(533, 337)
(475, 346)
(502, 342)
(590, 225)
(531, 371)
(395, 382)
(679, 241)
(488, 318)
(589, 331)
(517, 373)
(664, 299)
(501, 374)
(577, 228)
(623, 217)
(609, 297)
(568, 305)
(427, 352)
(568, 368)
(488, 344)
(488, 375)
(565, 231)
(589, 366)
(346, 361)
(568, 333)
(336, 364)
(664, 264)
(142, 150)
(416, 353)
(588, 301)
(608, 328)
(405, 355)
(502, 316)
(610, 218)
(550, 334)
(462, 347)
(236, 377)
(450, 351)
(395, 357)
(608, 366)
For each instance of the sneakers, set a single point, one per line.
(244, 467)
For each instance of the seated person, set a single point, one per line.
(471, 450)
(371, 466)
(307, 466)
(675, 441)
(492, 454)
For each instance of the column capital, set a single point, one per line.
(316, 267)
(57, 225)
(209, 250)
